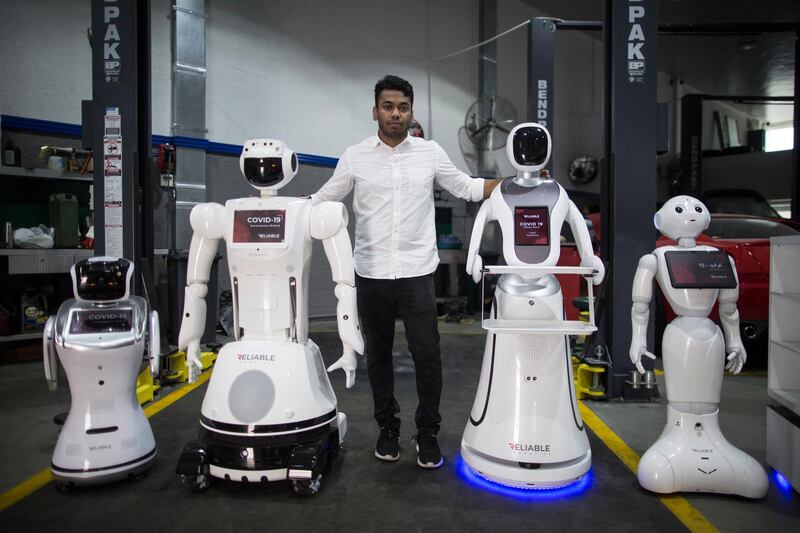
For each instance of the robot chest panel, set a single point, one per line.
(261, 229)
(684, 301)
(531, 219)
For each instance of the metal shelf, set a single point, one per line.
(538, 270)
(43, 173)
(20, 337)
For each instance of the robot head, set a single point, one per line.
(682, 216)
(528, 147)
(102, 279)
(267, 164)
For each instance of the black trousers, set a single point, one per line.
(414, 300)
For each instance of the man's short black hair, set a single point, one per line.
(394, 83)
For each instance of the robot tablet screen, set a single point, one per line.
(94, 321)
(531, 226)
(696, 269)
(259, 226)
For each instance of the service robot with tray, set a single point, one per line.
(100, 337)
(525, 429)
(269, 412)
(691, 454)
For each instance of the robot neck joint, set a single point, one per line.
(687, 242)
(268, 193)
(529, 179)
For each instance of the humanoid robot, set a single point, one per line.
(692, 454)
(269, 412)
(525, 429)
(99, 336)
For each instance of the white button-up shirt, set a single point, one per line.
(393, 203)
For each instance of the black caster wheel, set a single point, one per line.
(196, 482)
(306, 487)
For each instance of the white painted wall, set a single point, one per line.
(301, 70)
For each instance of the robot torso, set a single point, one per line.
(696, 302)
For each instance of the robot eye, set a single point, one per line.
(679, 209)
(698, 209)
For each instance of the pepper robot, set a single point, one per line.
(691, 454)
(525, 429)
(269, 412)
(100, 337)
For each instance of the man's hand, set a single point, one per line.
(348, 363)
(488, 187)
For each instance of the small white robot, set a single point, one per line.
(525, 429)
(269, 412)
(100, 336)
(691, 454)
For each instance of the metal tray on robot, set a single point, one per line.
(560, 327)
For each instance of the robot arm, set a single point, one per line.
(154, 350)
(640, 312)
(584, 243)
(207, 222)
(729, 319)
(329, 224)
(474, 261)
(50, 355)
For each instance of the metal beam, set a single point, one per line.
(691, 179)
(634, 35)
(541, 55)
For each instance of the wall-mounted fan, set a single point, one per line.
(482, 139)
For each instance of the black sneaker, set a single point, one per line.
(428, 453)
(388, 446)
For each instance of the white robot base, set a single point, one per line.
(692, 455)
(525, 430)
(269, 414)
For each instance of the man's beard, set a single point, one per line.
(390, 134)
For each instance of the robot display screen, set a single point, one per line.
(263, 171)
(102, 281)
(698, 269)
(531, 226)
(101, 321)
(267, 225)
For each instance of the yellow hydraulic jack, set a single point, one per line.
(587, 371)
(146, 386)
(176, 370)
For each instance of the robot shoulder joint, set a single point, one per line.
(326, 219)
(649, 262)
(208, 220)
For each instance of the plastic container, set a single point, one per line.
(33, 307)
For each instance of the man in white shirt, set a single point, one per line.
(393, 175)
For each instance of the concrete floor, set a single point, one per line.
(361, 493)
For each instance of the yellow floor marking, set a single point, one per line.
(29, 486)
(679, 506)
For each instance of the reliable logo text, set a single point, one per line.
(100, 447)
(522, 447)
(268, 357)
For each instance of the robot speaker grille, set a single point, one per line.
(533, 347)
(101, 406)
(251, 396)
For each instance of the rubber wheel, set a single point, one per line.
(306, 487)
(196, 482)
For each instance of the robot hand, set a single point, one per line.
(193, 362)
(636, 352)
(477, 267)
(596, 263)
(348, 363)
(736, 358)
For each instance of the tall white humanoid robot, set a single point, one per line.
(692, 454)
(525, 429)
(100, 339)
(269, 412)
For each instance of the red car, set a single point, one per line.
(744, 237)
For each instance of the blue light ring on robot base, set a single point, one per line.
(57, 470)
(574, 489)
(246, 452)
(782, 483)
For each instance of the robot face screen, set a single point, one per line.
(531, 226)
(263, 171)
(530, 146)
(102, 281)
(697, 269)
